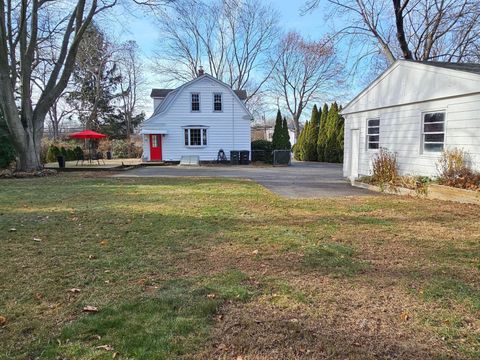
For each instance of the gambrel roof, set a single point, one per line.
(161, 93)
(171, 94)
(408, 82)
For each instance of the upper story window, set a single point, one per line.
(195, 102)
(217, 102)
(433, 131)
(195, 136)
(373, 134)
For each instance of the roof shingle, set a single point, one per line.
(468, 67)
(161, 93)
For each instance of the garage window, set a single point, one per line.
(373, 134)
(433, 131)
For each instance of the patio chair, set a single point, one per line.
(98, 156)
(79, 157)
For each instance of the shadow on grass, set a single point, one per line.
(171, 322)
(333, 258)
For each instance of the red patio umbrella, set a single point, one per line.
(88, 134)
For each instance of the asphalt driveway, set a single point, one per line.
(300, 180)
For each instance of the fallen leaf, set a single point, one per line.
(105, 347)
(37, 239)
(405, 316)
(254, 252)
(74, 290)
(90, 309)
(3, 320)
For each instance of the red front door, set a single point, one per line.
(155, 147)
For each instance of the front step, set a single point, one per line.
(190, 160)
(153, 163)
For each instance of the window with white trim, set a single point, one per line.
(217, 102)
(195, 136)
(373, 134)
(195, 102)
(433, 131)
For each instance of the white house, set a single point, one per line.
(198, 118)
(414, 109)
(265, 132)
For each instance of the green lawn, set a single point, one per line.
(203, 268)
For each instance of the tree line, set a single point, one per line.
(56, 62)
(321, 139)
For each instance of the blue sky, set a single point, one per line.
(140, 26)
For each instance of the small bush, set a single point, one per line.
(452, 164)
(78, 152)
(71, 155)
(63, 152)
(123, 150)
(454, 170)
(7, 152)
(262, 150)
(384, 168)
(262, 145)
(418, 183)
(53, 152)
(105, 145)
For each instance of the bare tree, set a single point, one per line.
(25, 26)
(442, 30)
(132, 83)
(58, 112)
(21, 34)
(231, 39)
(304, 70)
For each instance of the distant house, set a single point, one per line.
(265, 132)
(198, 118)
(416, 110)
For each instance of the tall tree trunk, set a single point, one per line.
(296, 124)
(28, 148)
(402, 40)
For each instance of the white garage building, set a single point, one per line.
(414, 109)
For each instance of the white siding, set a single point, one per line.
(156, 102)
(400, 132)
(227, 130)
(408, 82)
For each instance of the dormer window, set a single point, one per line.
(217, 102)
(195, 102)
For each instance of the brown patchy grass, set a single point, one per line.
(210, 268)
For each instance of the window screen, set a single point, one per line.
(195, 102)
(433, 132)
(373, 133)
(217, 102)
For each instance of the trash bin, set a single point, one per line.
(234, 157)
(109, 155)
(244, 157)
(61, 161)
(282, 157)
